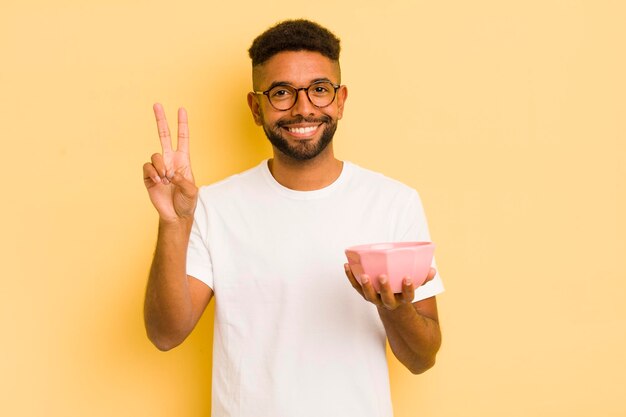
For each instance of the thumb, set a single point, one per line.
(431, 274)
(187, 188)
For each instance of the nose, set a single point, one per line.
(303, 106)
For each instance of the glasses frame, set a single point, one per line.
(266, 93)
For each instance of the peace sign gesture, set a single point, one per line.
(168, 177)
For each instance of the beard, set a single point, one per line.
(303, 150)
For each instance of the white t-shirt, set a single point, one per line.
(292, 337)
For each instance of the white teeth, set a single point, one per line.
(302, 129)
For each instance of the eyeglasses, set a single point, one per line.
(284, 96)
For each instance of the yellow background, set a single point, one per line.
(507, 116)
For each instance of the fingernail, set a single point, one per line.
(156, 179)
(364, 279)
(382, 279)
(407, 282)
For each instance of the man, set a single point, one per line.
(292, 337)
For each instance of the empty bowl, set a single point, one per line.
(395, 260)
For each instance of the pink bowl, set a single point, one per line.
(396, 260)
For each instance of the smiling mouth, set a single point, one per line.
(302, 130)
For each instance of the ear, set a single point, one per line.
(255, 108)
(342, 96)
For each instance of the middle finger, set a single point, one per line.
(386, 295)
(408, 290)
(183, 131)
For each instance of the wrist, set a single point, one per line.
(177, 225)
(402, 311)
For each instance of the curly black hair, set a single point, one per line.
(294, 35)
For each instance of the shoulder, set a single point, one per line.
(367, 179)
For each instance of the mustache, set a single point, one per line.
(301, 119)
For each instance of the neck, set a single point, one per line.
(310, 175)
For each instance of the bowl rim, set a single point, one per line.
(375, 247)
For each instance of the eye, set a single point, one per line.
(281, 93)
(320, 89)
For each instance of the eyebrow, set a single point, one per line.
(279, 83)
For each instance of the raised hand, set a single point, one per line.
(168, 177)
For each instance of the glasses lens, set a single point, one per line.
(282, 97)
(321, 94)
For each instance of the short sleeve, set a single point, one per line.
(199, 263)
(413, 227)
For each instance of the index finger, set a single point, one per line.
(183, 131)
(163, 128)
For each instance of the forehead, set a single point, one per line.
(299, 68)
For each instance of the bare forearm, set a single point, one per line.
(168, 307)
(414, 338)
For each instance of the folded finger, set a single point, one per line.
(150, 173)
(159, 164)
